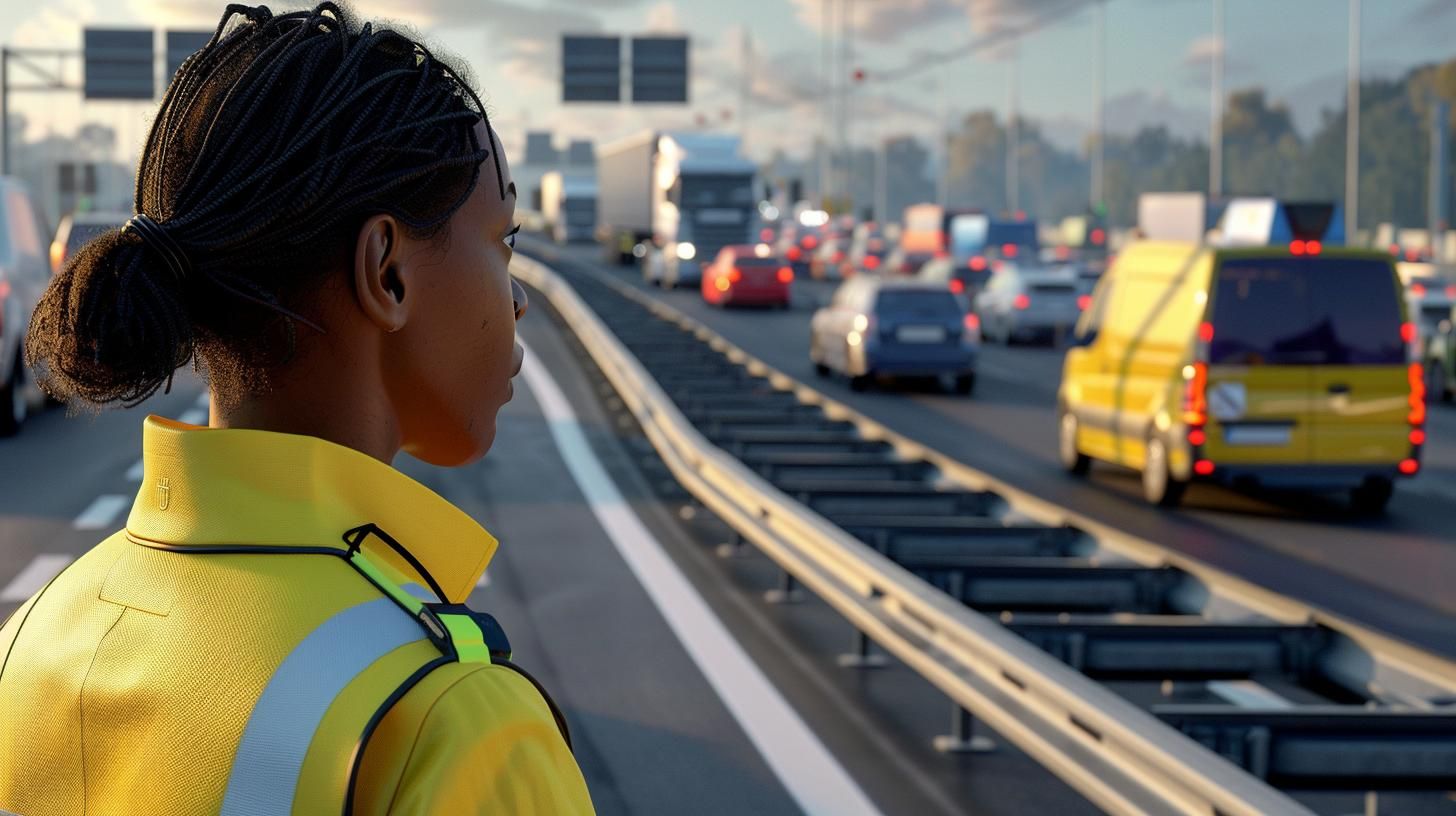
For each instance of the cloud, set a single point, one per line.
(663, 18)
(880, 22)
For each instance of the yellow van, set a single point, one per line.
(1285, 366)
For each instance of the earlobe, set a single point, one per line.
(379, 276)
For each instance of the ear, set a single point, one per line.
(381, 277)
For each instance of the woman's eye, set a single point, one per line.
(511, 236)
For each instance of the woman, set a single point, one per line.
(324, 221)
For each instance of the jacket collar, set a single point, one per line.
(232, 487)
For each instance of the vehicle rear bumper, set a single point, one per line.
(756, 296)
(1303, 477)
(902, 364)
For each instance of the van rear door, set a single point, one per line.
(1260, 372)
(1361, 390)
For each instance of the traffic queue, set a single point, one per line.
(1237, 342)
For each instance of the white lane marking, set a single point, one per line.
(134, 473)
(100, 514)
(41, 569)
(194, 416)
(812, 776)
(1248, 694)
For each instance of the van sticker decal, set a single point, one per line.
(1228, 401)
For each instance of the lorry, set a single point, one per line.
(569, 206)
(671, 201)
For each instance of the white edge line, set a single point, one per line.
(101, 512)
(41, 569)
(805, 767)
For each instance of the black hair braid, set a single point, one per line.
(273, 144)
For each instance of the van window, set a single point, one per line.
(1325, 311)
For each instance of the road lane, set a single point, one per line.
(1392, 573)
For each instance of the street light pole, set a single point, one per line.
(4, 111)
(826, 96)
(1352, 126)
(1013, 134)
(1215, 131)
(1099, 71)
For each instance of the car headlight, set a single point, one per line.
(686, 251)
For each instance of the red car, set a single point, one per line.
(747, 275)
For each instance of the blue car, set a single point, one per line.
(894, 327)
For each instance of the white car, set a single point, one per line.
(24, 275)
(1021, 302)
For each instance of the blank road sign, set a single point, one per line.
(659, 69)
(180, 46)
(119, 64)
(591, 69)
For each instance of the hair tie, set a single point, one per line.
(156, 237)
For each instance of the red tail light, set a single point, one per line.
(1395, 250)
(1197, 436)
(1451, 291)
(972, 322)
(957, 286)
(940, 253)
(977, 264)
(1203, 467)
(1418, 289)
(1417, 376)
(809, 242)
(1063, 253)
(1022, 301)
(735, 275)
(1008, 250)
(872, 262)
(794, 253)
(1205, 332)
(765, 235)
(1098, 236)
(839, 257)
(1195, 396)
(1417, 436)
(1296, 247)
(1408, 332)
(1312, 247)
(1083, 301)
(786, 275)
(1409, 467)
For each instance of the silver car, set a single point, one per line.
(24, 275)
(895, 327)
(1021, 303)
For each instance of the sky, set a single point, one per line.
(1158, 56)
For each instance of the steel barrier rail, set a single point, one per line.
(1117, 755)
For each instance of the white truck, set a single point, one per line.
(671, 201)
(569, 206)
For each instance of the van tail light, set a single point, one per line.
(1416, 375)
(794, 253)
(1203, 467)
(957, 286)
(1418, 436)
(1410, 467)
(786, 275)
(1195, 396)
(1022, 301)
(1083, 301)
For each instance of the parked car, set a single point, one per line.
(747, 274)
(1029, 302)
(76, 229)
(24, 274)
(895, 327)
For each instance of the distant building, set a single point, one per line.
(581, 153)
(540, 149)
(907, 176)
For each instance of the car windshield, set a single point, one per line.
(754, 262)
(1019, 233)
(1286, 311)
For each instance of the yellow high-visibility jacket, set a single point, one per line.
(225, 653)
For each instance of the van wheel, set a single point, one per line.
(13, 404)
(1371, 497)
(1073, 460)
(1159, 485)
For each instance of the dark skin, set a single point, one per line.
(419, 348)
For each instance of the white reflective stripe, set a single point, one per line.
(270, 755)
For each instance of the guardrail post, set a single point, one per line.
(864, 655)
(960, 740)
(787, 591)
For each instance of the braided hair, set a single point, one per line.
(273, 145)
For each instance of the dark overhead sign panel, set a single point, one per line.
(660, 69)
(591, 69)
(180, 46)
(119, 64)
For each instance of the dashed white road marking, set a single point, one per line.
(805, 767)
(101, 512)
(41, 569)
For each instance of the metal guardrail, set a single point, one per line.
(1120, 756)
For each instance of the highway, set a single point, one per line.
(1391, 573)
